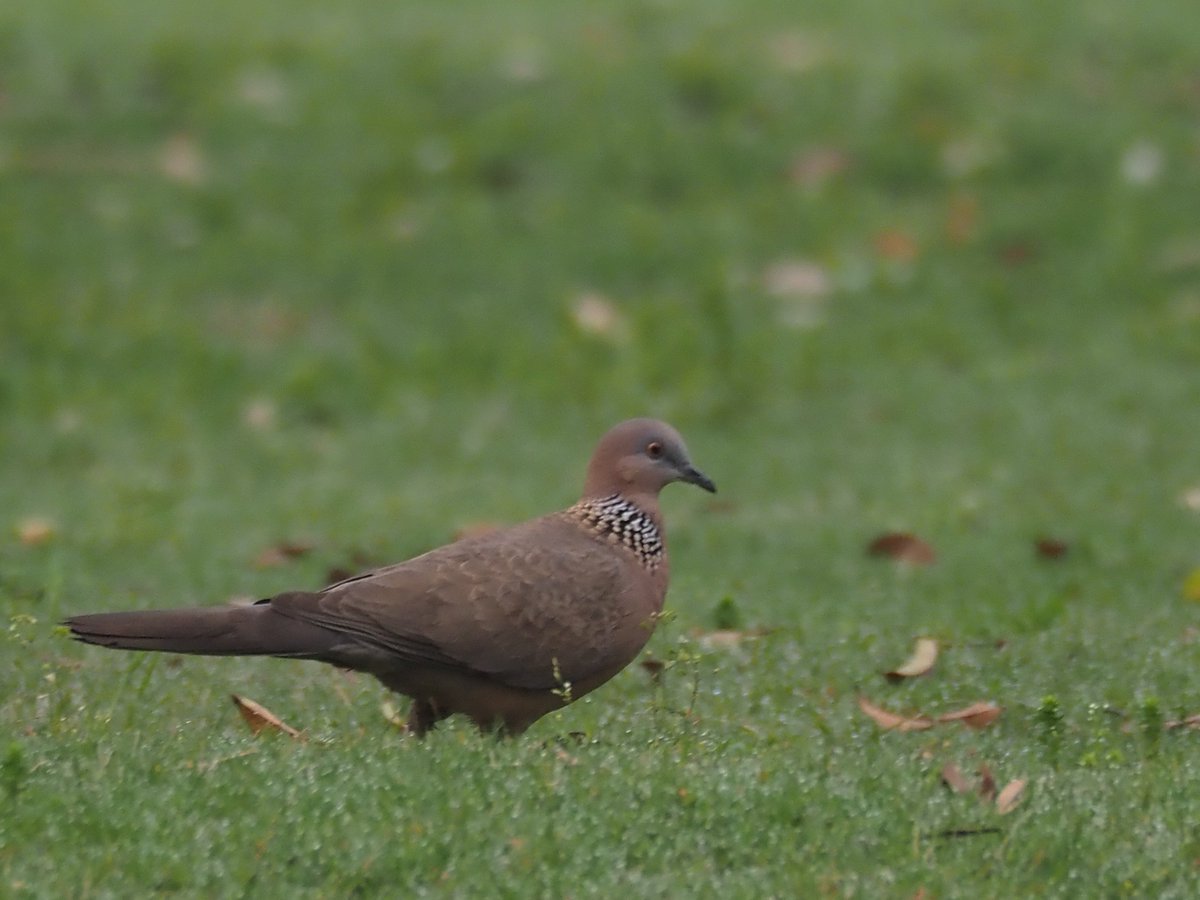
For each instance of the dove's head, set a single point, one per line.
(638, 458)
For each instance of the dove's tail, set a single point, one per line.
(257, 630)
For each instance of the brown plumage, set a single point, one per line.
(503, 627)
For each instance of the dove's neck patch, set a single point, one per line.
(622, 522)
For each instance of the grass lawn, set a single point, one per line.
(354, 276)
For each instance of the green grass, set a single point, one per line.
(374, 220)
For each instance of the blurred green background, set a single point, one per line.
(357, 276)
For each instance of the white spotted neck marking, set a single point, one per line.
(620, 521)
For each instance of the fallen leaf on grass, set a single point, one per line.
(35, 531)
(1017, 252)
(818, 165)
(977, 715)
(1010, 796)
(987, 783)
(796, 278)
(721, 639)
(1191, 586)
(890, 721)
(902, 547)
(595, 314)
(954, 779)
(281, 553)
(258, 717)
(181, 160)
(1006, 800)
(654, 666)
(1051, 548)
(923, 657)
(726, 638)
(260, 414)
(896, 246)
(1192, 721)
(1190, 499)
(962, 218)
(801, 288)
(392, 715)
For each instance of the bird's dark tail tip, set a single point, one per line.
(207, 631)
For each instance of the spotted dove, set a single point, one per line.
(503, 627)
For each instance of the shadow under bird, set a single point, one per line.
(504, 627)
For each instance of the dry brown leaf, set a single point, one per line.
(1010, 796)
(890, 721)
(258, 717)
(1190, 498)
(1192, 721)
(954, 779)
(896, 246)
(392, 715)
(818, 165)
(1051, 548)
(1191, 586)
(726, 638)
(181, 160)
(595, 314)
(796, 278)
(977, 715)
(962, 218)
(260, 414)
(1017, 253)
(264, 320)
(654, 666)
(36, 530)
(902, 547)
(722, 639)
(801, 287)
(924, 655)
(987, 783)
(281, 553)
(566, 757)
